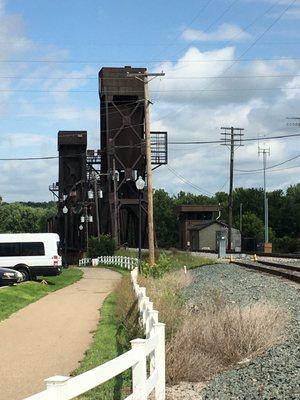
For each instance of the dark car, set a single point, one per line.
(9, 276)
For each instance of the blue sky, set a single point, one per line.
(51, 51)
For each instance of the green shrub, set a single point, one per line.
(286, 244)
(103, 245)
(162, 265)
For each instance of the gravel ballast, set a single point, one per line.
(274, 375)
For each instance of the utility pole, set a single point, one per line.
(116, 220)
(265, 151)
(146, 77)
(96, 204)
(232, 140)
(241, 217)
(86, 226)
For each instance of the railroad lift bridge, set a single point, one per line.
(96, 191)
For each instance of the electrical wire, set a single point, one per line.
(153, 91)
(149, 61)
(243, 140)
(174, 41)
(270, 167)
(186, 181)
(210, 25)
(269, 171)
(138, 145)
(63, 78)
(269, 27)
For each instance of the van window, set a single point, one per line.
(32, 249)
(10, 249)
(22, 249)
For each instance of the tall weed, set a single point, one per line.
(219, 335)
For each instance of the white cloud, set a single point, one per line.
(188, 106)
(206, 77)
(199, 113)
(43, 113)
(223, 33)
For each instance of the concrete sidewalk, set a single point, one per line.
(50, 336)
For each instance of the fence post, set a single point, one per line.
(153, 319)
(144, 304)
(139, 370)
(57, 387)
(160, 359)
(149, 308)
(153, 316)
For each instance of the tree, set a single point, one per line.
(166, 219)
(18, 218)
(253, 227)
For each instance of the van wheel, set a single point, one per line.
(25, 274)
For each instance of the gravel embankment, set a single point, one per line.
(274, 375)
(242, 256)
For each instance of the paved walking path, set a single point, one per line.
(49, 337)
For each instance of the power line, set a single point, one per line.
(254, 21)
(251, 45)
(270, 167)
(244, 140)
(147, 44)
(198, 142)
(152, 91)
(186, 181)
(202, 9)
(63, 78)
(211, 24)
(270, 170)
(250, 24)
(264, 32)
(118, 62)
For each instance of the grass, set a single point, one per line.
(218, 337)
(112, 338)
(178, 258)
(13, 298)
(166, 295)
(212, 335)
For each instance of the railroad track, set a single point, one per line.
(290, 272)
(252, 253)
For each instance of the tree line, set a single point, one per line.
(284, 215)
(25, 217)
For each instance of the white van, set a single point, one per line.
(33, 254)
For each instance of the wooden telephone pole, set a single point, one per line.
(231, 140)
(146, 77)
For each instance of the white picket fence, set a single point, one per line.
(120, 261)
(144, 380)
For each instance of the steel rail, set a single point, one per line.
(279, 270)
